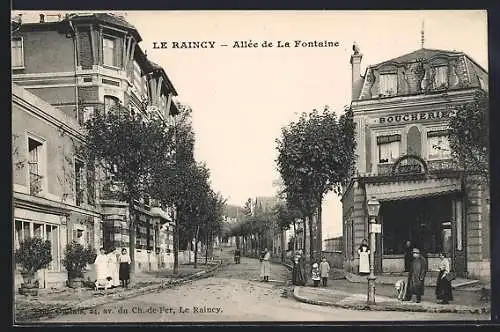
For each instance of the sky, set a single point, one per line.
(242, 97)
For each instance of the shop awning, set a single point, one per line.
(390, 191)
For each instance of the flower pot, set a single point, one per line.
(75, 283)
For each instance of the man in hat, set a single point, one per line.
(416, 276)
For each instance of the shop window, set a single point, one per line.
(109, 51)
(441, 77)
(388, 84)
(438, 145)
(388, 148)
(17, 53)
(26, 229)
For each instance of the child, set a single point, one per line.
(315, 274)
(324, 269)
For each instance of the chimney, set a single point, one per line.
(356, 72)
(42, 18)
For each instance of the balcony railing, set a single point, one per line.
(35, 183)
(432, 166)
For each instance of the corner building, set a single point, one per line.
(401, 111)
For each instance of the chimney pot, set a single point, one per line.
(42, 18)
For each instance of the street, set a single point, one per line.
(235, 295)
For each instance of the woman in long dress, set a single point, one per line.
(114, 267)
(299, 278)
(364, 258)
(443, 285)
(124, 272)
(101, 266)
(265, 266)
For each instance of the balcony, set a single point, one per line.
(432, 166)
(35, 183)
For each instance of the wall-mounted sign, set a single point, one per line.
(416, 116)
(375, 228)
(409, 164)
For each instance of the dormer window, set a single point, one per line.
(441, 77)
(388, 84)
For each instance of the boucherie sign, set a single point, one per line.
(417, 116)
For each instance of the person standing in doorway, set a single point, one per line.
(416, 276)
(408, 255)
(124, 268)
(443, 284)
(364, 258)
(324, 269)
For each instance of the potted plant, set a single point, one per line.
(33, 254)
(76, 258)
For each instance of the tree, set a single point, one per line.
(125, 148)
(469, 135)
(316, 155)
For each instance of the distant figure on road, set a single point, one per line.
(416, 276)
(237, 255)
(299, 271)
(364, 258)
(324, 269)
(408, 255)
(265, 265)
(315, 274)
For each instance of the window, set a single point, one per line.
(35, 166)
(79, 181)
(441, 77)
(17, 55)
(25, 230)
(90, 185)
(438, 145)
(388, 148)
(85, 114)
(388, 84)
(108, 51)
(110, 103)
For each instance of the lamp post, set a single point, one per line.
(373, 206)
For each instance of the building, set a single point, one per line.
(334, 244)
(401, 110)
(63, 70)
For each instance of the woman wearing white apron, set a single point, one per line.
(364, 258)
(101, 266)
(114, 267)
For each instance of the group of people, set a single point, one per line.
(319, 273)
(416, 266)
(112, 269)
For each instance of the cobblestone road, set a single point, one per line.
(234, 294)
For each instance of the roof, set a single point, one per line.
(423, 53)
(108, 18)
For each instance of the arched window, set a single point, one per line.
(110, 103)
(414, 141)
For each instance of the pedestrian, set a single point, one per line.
(265, 265)
(114, 266)
(315, 274)
(124, 272)
(101, 267)
(443, 284)
(408, 255)
(324, 269)
(364, 258)
(299, 278)
(416, 276)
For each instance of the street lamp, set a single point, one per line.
(373, 206)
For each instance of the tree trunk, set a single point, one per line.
(206, 249)
(176, 240)
(319, 233)
(304, 238)
(294, 235)
(131, 244)
(311, 239)
(196, 246)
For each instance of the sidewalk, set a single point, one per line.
(54, 302)
(345, 294)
